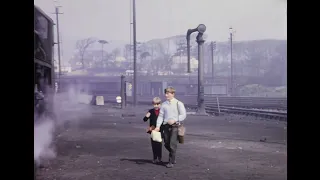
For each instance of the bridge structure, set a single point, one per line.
(153, 85)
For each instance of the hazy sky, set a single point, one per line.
(110, 19)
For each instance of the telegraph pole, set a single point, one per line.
(131, 46)
(231, 60)
(58, 38)
(134, 54)
(213, 47)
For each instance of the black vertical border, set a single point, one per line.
(302, 85)
(17, 89)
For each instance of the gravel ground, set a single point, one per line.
(105, 146)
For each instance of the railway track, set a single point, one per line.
(278, 115)
(270, 108)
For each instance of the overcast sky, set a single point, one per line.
(110, 19)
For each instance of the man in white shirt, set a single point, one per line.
(172, 113)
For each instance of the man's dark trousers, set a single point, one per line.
(170, 136)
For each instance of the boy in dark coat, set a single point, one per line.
(152, 115)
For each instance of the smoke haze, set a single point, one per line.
(46, 127)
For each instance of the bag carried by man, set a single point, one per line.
(181, 128)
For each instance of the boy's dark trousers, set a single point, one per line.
(156, 149)
(170, 135)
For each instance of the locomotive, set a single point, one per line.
(43, 56)
(43, 66)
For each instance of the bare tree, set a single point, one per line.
(144, 55)
(82, 46)
(116, 52)
(165, 55)
(128, 49)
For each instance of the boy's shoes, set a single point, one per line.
(157, 161)
(169, 165)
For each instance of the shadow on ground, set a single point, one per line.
(138, 161)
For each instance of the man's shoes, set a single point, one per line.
(174, 162)
(169, 165)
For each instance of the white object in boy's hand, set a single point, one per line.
(156, 136)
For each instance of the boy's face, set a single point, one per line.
(169, 95)
(156, 105)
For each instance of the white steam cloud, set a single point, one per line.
(67, 107)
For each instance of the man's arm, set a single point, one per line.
(182, 111)
(160, 118)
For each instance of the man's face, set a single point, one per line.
(169, 95)
(156, 105)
